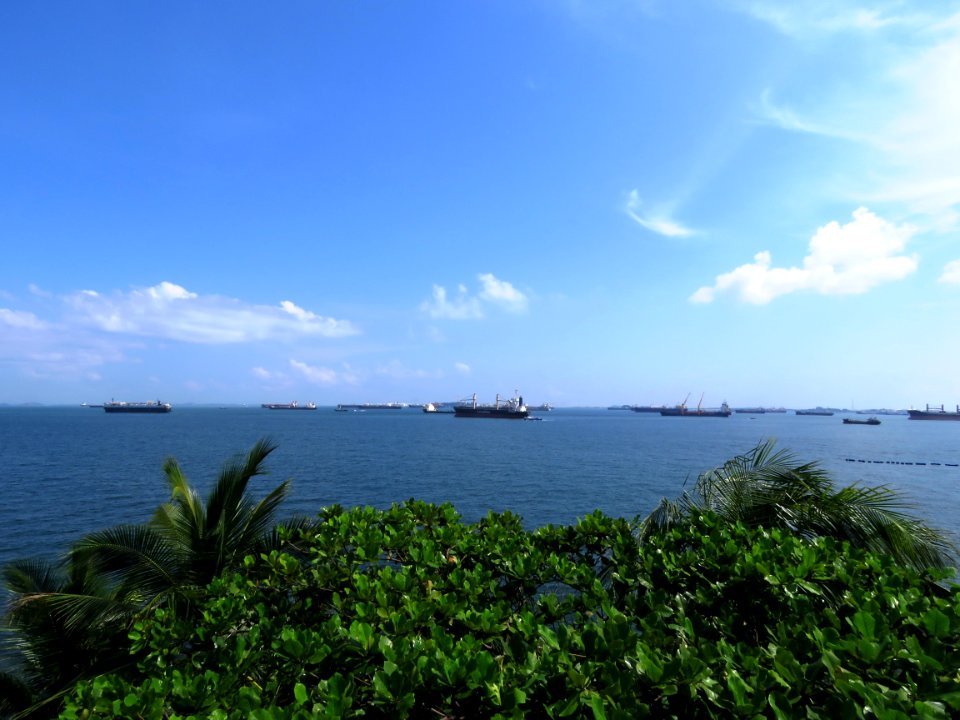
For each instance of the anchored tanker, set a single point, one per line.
(934, 414)
(118, 406)
(289, 406)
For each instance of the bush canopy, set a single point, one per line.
(412, 612)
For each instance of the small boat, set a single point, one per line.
(289, 406)
(507, 409)
(854, 421)
(934, 414)
(150, 407)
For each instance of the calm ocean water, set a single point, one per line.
(67, 471)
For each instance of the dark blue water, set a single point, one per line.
(67, 471)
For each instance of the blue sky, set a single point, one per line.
(591, 202)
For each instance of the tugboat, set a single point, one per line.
(507, 409)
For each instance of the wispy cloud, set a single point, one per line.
(904, 112)
(460, 307)
(315, 374)
(808, 19)
(464, 306)
(262, 373)
(951, 273)
(21, 319)
(398, 371)
(171, 312)
(656, 221)
(462, 368)
(842, 260)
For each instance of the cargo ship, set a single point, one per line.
(118, 406)
(682, 410)
(289, 406)
(816, 411)
(507, 409)
(934, 414)
(854, 421)
(344, 407)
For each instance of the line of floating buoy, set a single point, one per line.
(901, 462)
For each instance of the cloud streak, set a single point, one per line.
(657, 222)
(842, 260)
(904, 114)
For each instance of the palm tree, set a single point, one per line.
(64, 623)
(189, 542)
(769, 487)
(71, 620)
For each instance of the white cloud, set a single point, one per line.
(842, 260)
(951, 272)
(502, 293)
(21, 319)
(656, 221)
(172, 312)
(462, 307)
(262, 373)
(462, 368)
(465, 306)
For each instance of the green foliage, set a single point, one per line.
(766, 487)
(410, 612)
(70, 621)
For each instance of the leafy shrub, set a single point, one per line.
(411, 612)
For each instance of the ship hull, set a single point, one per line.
(921, 415)
(288, 406)
(674, 412)
(370, 406)
(137, 408)
(490, 412)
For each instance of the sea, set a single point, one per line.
(67, 471)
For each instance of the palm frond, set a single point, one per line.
(231, 486)
(32, 575)
(138, 559)
(771, 488)
(184, 515)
